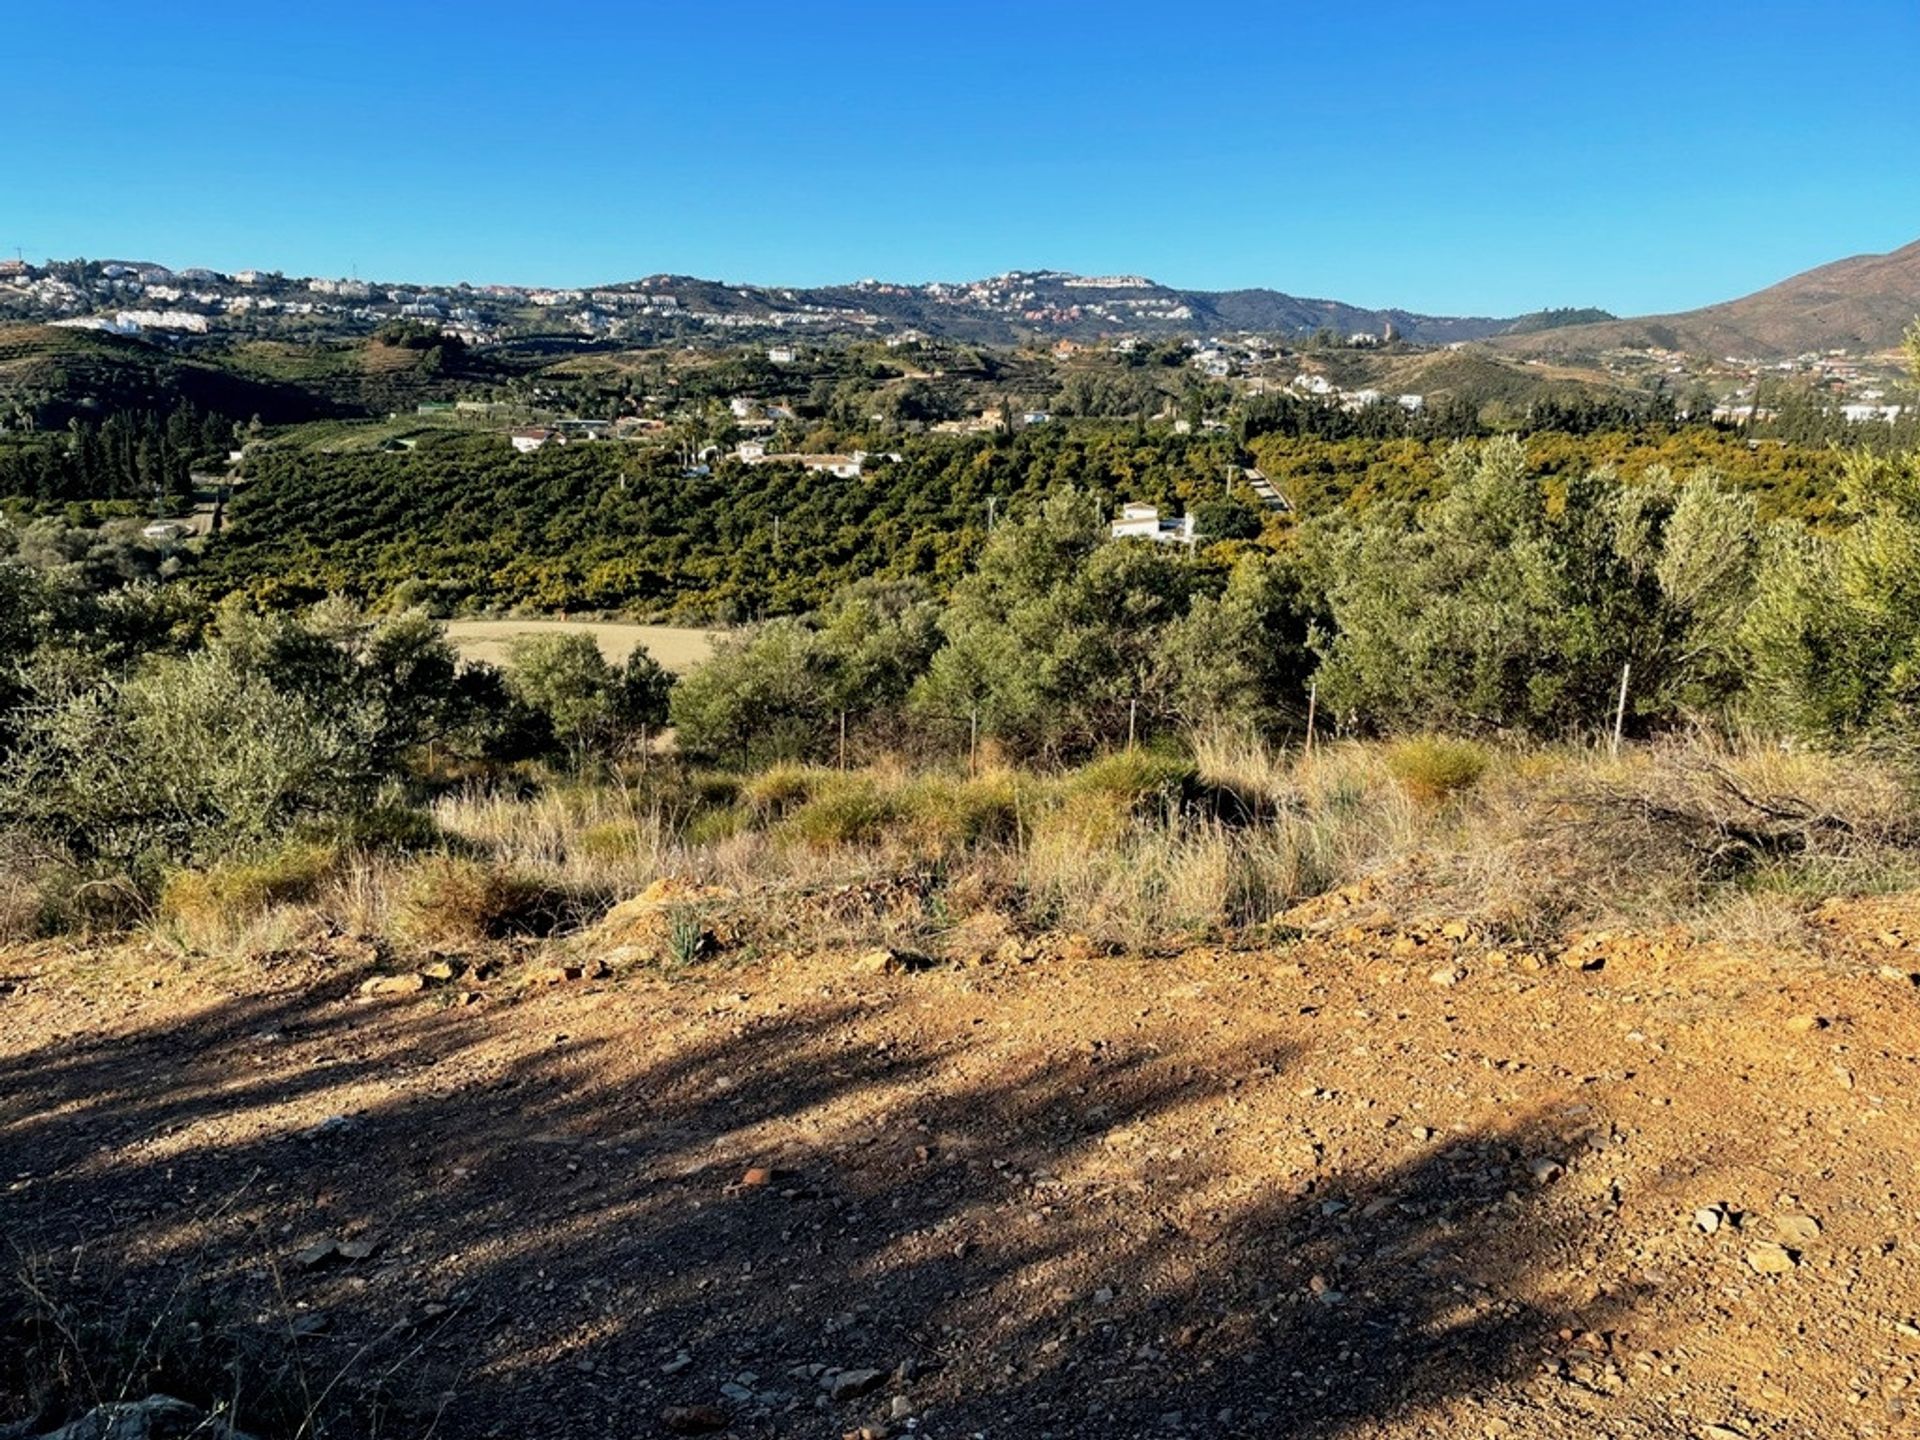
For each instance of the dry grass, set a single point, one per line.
(245, 904)
(677, 647)
(1136, 849)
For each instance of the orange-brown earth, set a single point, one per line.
(1374, 1182)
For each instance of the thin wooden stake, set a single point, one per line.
(1133, 713)
(1620, 710)
(1313, 705)
(843, 739)
(973, 742)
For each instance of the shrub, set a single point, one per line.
(453, 900)
(610, 840)
(776, 792)
(1137, 780)
(211, 903)
(946, 816)
(709, 827)
(852, 810)
(1510, 605)
(1834, 630)
(194, 759)
(1434, 769)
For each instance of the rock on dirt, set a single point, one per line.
(694, 1419)
(852, 1384)
(884, 960)
(158, 1417)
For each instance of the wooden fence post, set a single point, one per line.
(1620, 709)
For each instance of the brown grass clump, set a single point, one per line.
(448, 900)
(1673, 833)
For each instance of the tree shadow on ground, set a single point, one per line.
(568, 1239)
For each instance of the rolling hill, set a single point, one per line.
(1860, 304)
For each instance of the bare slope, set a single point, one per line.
(1860, 304)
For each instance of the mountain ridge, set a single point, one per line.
(1862, 303)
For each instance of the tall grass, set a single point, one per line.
(1135, 849)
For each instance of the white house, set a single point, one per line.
(1869, 414)
(1140, 521)
(780, 354)
(842, 467)
(528, 440)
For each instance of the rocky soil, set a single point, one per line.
(1375, 1181)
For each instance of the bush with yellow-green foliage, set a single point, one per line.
(844, 810)
(208, 907)
(1434, 769)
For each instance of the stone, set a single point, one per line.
(1447, 975)
(314, 1256)
(1767, 1258)
(1806, 1024)
(852, 1384)
(555, 974)
(1545, 1171)
(757, 1176)
(158, 1417)
(693, 1419)
(1707, 1219)
(900, 1409)
(332, 1125)
(1797, 1229)
(885, 960)
(381, 986)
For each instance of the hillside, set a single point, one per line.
(58, 374)
(1004, 309)
(1860, 304)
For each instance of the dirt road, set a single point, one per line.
(1365, 1184)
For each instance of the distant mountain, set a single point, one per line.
(1023, 304)
(1861, 305)
(1019, 306)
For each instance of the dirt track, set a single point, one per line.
(1286, 1193)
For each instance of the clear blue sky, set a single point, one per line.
(1463, 158)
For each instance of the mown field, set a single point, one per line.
(678, 647)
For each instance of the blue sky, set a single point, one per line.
(1458, 158)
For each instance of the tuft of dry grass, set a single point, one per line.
(216, 907)
(1434, 769)
(451, 900)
